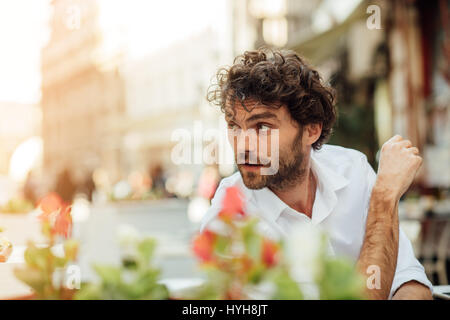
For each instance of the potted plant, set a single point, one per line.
(135, 279)
(45, 265)
(240, 262)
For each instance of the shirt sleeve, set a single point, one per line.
(408, 267)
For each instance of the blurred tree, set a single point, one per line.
(356, 130)
(355, 127)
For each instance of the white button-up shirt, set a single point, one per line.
(344, 184)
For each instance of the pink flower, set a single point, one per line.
(49, 204)
(269, 253)
(63, 223)
(203, 246)
(232, 204)
(56, 215)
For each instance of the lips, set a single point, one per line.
(251, 167)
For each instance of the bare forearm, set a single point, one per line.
(399, 162)
(380, 246)
(413, 290)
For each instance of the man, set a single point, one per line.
(276, 93)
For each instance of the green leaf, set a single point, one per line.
(108, 274)
(256, 273)
(252, 240)
(340, 281)
(34, 278)
(286, 287)
(221, 245)
(145, 249)
(37, 257)
(71, 249)
(138, 281)
(89, 291)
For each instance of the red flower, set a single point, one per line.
(49, 204)
(246, 264)
(232, 204)
(203, 245)
(63, 223)
(269, 253)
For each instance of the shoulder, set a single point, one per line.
(345, 161)
(339, 156)
(349, 163)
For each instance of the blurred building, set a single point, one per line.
(166, 92)
(82, 93)
(106, 108)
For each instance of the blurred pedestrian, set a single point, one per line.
(65, 186)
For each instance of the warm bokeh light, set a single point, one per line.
(27, 156)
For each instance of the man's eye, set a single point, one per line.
(264, 127)
(232, 126)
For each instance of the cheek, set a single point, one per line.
(272, 145)
(265, 145)
(283, 142)
(287, 143)
(230, 137)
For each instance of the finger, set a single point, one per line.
(414, 150)
(405, 143)
(396, 138)
(392, 141)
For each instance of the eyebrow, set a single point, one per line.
(259, 116)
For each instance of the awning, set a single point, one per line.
(320, 47)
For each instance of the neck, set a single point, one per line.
(300, 196)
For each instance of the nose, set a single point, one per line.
(246, 146)
(247, 141)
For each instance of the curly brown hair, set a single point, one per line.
(272, 77)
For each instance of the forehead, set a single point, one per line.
(235, 108)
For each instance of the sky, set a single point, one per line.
(147, 24)
(153, 24)
(22, 33)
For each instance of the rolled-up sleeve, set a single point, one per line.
(408, 267)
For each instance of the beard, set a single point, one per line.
(291, 170)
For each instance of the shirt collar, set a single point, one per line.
(328, 182)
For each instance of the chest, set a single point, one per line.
(344, 224)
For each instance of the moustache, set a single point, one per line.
(246, 159)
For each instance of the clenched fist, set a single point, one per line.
(399, 163)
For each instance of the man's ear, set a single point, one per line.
(312, 132)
